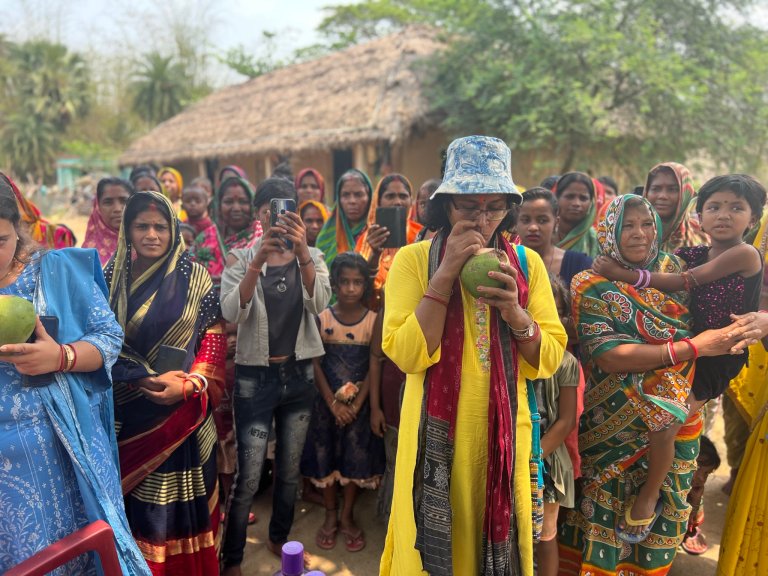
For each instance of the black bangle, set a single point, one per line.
(307, 263)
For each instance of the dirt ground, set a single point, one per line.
(260, 562)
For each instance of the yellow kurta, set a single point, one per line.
(744, 546)
(404, 343)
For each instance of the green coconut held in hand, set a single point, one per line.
(17, 320)
(475, 270)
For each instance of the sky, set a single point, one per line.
(123, 26)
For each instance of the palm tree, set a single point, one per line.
(53, 80)
(29, 144)
(160, 87)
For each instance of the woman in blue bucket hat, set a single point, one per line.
(463, 501)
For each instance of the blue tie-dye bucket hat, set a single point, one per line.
(478, 165)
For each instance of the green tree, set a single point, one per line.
(52, 81)
(29, 144)
(161, 88)
(625, 81)
(45, 89)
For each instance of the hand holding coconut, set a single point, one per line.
(40, 357)
(501, 292)
(464, 241)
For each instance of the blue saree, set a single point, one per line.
(58, 459)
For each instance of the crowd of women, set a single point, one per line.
(554, 421)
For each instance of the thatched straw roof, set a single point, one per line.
(369, 92)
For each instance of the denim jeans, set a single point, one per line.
(285, 392)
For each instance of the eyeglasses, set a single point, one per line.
(493, 215)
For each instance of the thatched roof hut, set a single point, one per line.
(366, 99)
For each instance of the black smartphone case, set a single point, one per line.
(169, 358)
(51, 325)
(395, 220)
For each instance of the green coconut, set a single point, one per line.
(17, 320)
(475, 270)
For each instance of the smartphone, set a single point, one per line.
(169, 358)
(278, 206)
(395, 220)
(51, 325)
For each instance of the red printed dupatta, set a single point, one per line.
(434, 460)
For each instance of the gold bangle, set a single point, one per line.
(436, 291)
(70, 358)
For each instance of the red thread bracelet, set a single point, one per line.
(692, 346)
(436, 299)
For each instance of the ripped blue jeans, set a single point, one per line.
(285, 392)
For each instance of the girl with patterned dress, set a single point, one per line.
(341, 446)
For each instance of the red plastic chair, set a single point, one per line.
(97, 537)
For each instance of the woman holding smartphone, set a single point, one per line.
(273, 293)
(393, 191)
(173, 351)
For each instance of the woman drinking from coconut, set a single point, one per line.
(173, 352)
(349, 217)
(462, 500)
(238, 226)
(639, 365)
(59, 456)
(106, 217)
(576, 195)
